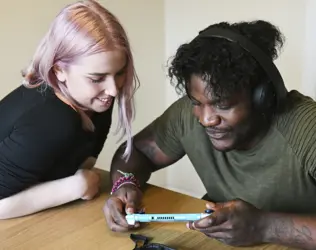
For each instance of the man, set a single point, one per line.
(256, 160)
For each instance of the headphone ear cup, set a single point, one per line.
(264, 97)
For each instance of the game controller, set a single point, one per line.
(142, 217)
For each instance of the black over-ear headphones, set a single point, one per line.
(264, 95)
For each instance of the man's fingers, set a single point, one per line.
(217, 218)
(223, 237)
(117, 214)
(111, 223)
(132, 202)
(116, 227)
(221, 232)
(210, 205)
(215, 229)
(114, 210)
(219, 205)
(190, 225)
(116, 220)
(203, 223)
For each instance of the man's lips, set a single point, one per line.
(216, 133)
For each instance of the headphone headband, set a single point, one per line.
(265, 62)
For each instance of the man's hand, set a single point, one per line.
(234, 223)
(126, 200)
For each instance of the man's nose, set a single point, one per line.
(209, 118)
(210, 121)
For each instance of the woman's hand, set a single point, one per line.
(90, 182)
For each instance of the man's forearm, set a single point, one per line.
(40, 197)
(291, 230)
(138, 164)
(146, 157)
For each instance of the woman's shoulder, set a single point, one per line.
(39, 105)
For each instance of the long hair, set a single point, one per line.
(81, 29)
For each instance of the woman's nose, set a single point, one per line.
(110, 88)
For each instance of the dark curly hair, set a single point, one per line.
(225, 65)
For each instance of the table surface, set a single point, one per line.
(81, 225)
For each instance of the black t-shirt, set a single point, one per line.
(42, 139)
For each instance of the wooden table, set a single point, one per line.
(81, 225)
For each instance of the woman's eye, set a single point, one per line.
(97, 80)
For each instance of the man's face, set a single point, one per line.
(228, 122)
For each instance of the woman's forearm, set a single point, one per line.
(89, 163)
(42, 196)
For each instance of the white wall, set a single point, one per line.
(156, 28)
(309, 49)
(21, 28)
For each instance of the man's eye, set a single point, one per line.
(223, 106)
(195, 103)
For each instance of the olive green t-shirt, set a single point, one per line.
(278, 174)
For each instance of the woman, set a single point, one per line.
(54, 125)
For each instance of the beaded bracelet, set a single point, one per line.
(127, 178)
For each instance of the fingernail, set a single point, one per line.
(209, 206)
(142, 211)
(129, 211)
(190, 227)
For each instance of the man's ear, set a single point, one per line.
(60, 73)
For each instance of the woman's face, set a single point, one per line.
(93, 81)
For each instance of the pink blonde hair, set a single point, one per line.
(82, 29)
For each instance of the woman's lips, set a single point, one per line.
(105, 101)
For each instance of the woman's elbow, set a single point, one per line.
(4, 209)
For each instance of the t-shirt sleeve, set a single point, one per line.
(310, 154)
(170, 127)
(299, 128)
(304, 138)
(38, 139)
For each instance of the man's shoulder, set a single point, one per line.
(183, 102)
(298, 126)
(180, 113)
(176, 122)
(299, 113)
